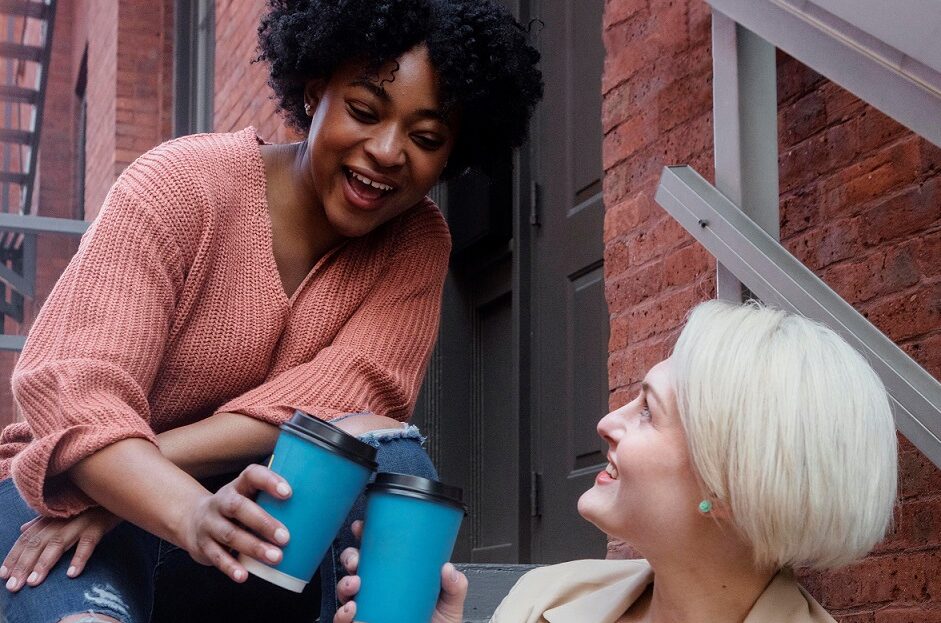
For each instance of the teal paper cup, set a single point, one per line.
(327, 470)
(411, 526)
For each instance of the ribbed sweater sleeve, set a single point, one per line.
(377, 360)
(83, 379)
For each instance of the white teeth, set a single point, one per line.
(612, 470)
(366, 180)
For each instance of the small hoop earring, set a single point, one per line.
(705, 506)
(307, 108)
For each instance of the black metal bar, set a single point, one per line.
(20, 51)
(22, 95)
(11, 177)
(23, 137)
(40, 104)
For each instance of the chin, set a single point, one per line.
(587, 505)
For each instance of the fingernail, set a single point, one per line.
(283, 488)
(272, 555)
(238, 574)
(71, 572)
(4, 571)
(281, 535)
(454, 575)
(32, 577)
(11, 584)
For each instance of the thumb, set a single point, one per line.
(453, 592)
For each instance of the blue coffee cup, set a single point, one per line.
(327, 470)
(410, 530)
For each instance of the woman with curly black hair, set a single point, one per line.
(228, 282)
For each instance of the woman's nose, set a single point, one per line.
(607, 427)
(611, 427)
(385, 148)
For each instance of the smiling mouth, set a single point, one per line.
(612, 471)
(365, 187)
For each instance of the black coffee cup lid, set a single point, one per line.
(326, 434)
(418, 487)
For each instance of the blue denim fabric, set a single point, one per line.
(135, 577)
(116, 580)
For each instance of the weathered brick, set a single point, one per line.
(799, 210)
(622, 218)
(632, 288)
(852, 187)
(907, 315)
(911, 577)
(917, 475)
(802, 119)
(911, 614)
(616, 11)
(888, 270)
(904, 214)
(831, 242)
(917, 524)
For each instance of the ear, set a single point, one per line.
(313, 93)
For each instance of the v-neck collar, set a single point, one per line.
(264, 214)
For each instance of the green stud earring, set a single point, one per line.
(705, 506)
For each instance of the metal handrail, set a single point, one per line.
(778, 278)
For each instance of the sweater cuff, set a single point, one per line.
(40, 471)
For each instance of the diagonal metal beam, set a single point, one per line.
(778, 278)
(16, 281)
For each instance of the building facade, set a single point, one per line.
(568, 280)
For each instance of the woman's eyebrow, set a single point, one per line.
(648, 391)
(382, 94)
(372, 87)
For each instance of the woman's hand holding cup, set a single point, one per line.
(231, 520)
(450, 606)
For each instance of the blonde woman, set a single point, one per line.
(764, 443)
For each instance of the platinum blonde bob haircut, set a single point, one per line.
(791, 429)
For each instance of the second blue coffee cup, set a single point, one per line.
(327, 470)
(410, 528)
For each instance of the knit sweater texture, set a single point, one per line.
(173, 309)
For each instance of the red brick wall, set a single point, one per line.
(859, 205)
(130, 98)
(242, 95)
(144, 80)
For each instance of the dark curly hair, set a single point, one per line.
(484, 63)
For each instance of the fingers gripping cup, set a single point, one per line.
(327, 470)
(410, 528)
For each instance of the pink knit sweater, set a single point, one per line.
(173, 310)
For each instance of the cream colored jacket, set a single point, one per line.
(600, 591)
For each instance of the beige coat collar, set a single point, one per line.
(599, 591)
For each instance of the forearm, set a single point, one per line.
(133, 480)
(220, 444)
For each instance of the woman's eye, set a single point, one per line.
(645, 413)
(361, 114)
(427, 142)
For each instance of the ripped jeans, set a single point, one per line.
(136, 577)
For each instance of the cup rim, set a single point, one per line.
(418, 487)
(328, 435)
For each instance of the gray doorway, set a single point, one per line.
(519, 377)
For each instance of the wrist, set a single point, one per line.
(181, 515)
